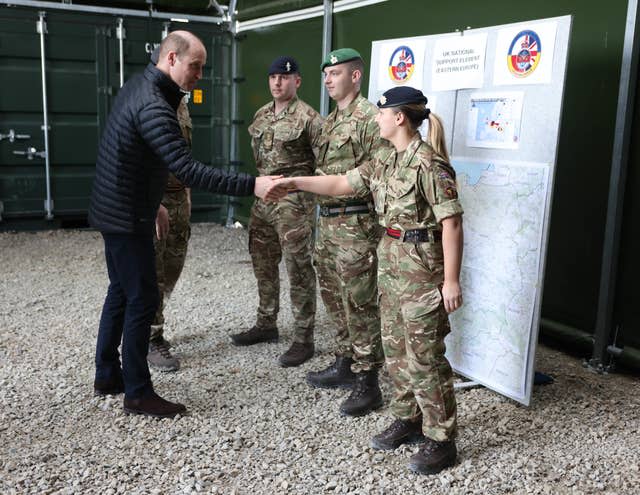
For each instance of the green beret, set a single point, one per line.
(340, 56)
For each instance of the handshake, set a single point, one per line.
(273, 187)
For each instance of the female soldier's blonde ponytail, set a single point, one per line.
(416, 113)
(436, 136)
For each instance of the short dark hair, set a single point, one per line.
(356, 64)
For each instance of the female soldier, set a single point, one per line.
(415, 196)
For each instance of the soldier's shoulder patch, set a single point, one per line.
(451, 192)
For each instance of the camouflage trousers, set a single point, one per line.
(171, 253)
(346, 263)
(414, 325)
(285, 227)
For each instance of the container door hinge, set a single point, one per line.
(12, 136)
(41, 24)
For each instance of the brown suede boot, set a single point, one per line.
(433, 457)
(109, 387)
(399, 432)
(153, 405)
(297, 354)
(255, 335)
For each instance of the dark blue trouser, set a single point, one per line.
(128, 311)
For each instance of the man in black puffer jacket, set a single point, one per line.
(142, 141)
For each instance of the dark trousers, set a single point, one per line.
(128, 311)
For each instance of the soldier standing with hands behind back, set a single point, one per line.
(282, 135)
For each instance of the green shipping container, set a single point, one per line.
(82, 61)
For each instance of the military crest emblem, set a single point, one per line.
(524, 53)
(401, 65)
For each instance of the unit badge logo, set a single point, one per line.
(524, 53)
(401, 65)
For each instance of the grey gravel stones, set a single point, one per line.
(253, 426)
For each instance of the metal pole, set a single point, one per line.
(233, 132)
(327, 33)
(41, 28)
(617, 180)
(120, 33)
(100, 9)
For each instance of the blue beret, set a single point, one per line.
(284, 65)
(401, 95)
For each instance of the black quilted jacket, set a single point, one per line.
(140, 144)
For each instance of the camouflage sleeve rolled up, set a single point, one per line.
(438, 184)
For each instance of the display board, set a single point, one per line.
(499, 90)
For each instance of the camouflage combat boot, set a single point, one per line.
(297, 354)
(160, 358)
(339, 374)
(365, 397)
(433, 457)
(255, 335)
(399, 432)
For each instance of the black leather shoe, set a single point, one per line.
(365, 397)
(297, 354)
(433, 457)
(153, 405)
(339, 374)
(255, 335)
(399, 432)
(108, 387)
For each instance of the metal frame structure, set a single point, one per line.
(603, 348)
(41, 28)
(235, 79)
(327, 35)
(73, 7)
(301, 14)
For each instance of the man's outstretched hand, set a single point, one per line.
(264, 185)
(279, 188)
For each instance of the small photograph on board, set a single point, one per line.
(494, 120)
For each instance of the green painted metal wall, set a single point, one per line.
(587, 127)
(83, 77)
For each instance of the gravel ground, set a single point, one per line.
(255, 427)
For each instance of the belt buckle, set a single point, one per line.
(324, 211)
(409, 236)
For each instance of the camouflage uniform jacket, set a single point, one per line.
(283, 143)
(186, 126)
(413, 192)
(349, 138)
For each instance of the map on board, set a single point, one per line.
(493, 332)
(494, 120)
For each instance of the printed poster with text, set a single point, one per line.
(458, 62)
